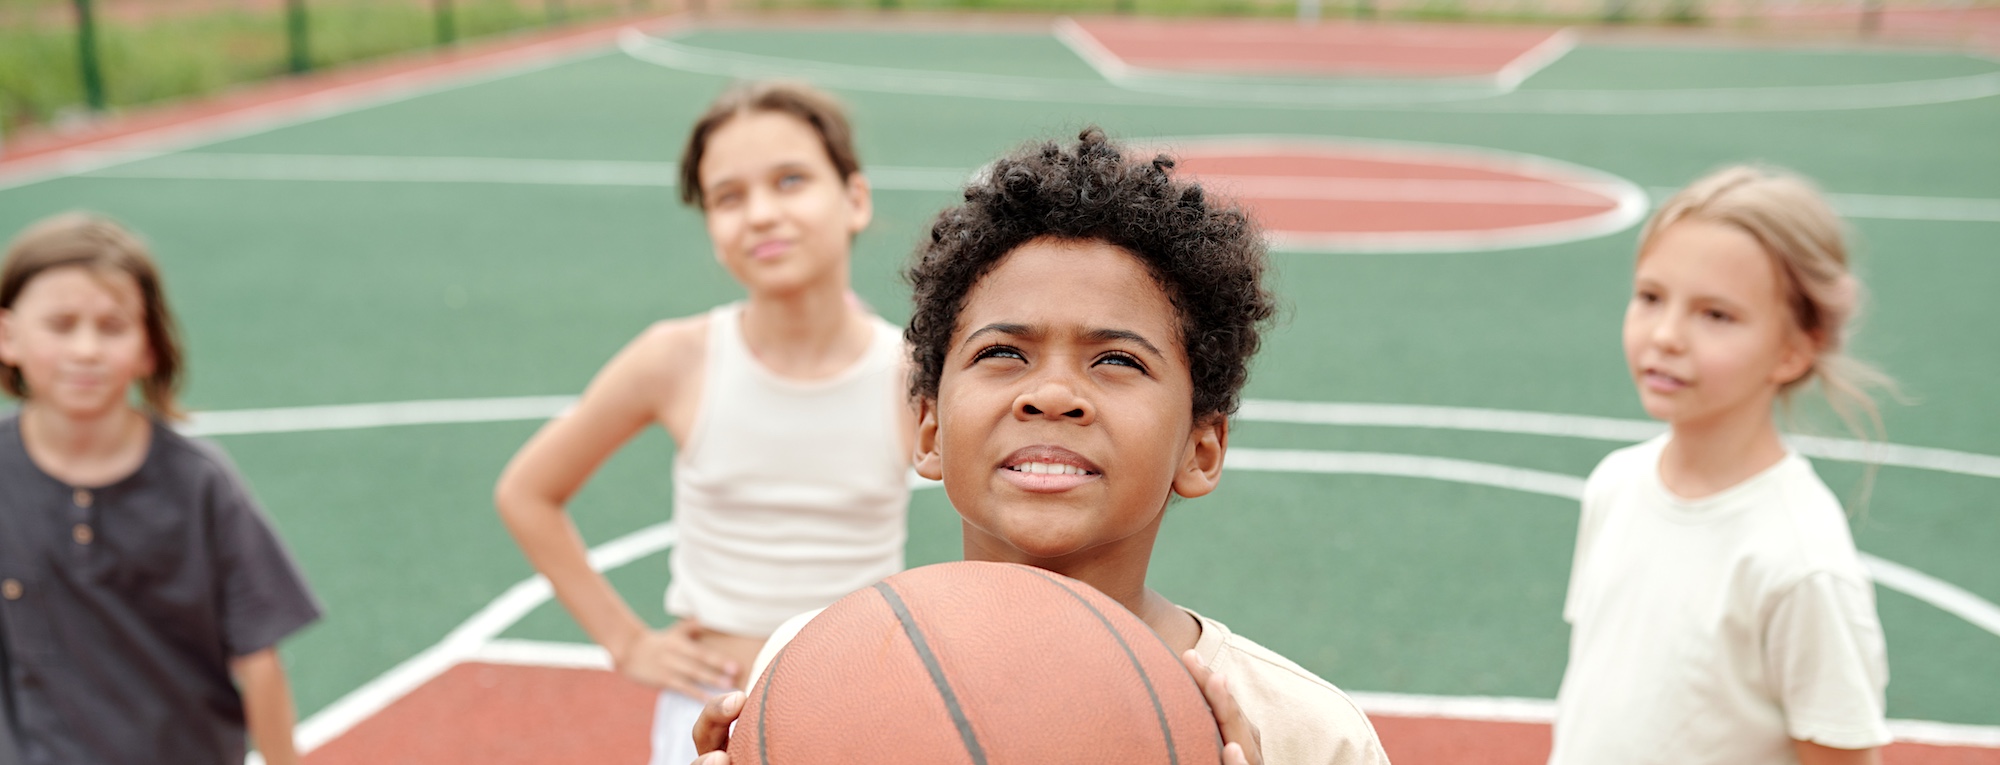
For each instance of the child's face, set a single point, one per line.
(79, 338)
(1063, 421)
(1708, 333)
(777, 210)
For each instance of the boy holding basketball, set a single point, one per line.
(1083, 325)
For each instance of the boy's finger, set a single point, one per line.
(1236, 728)
(1233, 755)
(1191, 659)
(711, 729)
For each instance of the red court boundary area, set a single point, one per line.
(277, 99)
(1261, 47)
(1445, 741)
(494, 714)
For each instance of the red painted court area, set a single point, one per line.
(492, 714)
(1326, 49)
(1363, 196)
(497, 714)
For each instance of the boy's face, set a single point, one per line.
(1063, 419)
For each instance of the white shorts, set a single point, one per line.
(673, 727)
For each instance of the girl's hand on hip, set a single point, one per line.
(674, 659)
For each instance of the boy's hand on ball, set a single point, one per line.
(672, 659)
(1240, 742)
(711, 730)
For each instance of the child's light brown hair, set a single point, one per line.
(810, 105)
(96, 243)
(1805, 239)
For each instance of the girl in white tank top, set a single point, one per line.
(787, 408)
(787, 494)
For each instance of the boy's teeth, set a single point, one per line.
(1048, 468)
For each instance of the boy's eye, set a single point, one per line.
(999, 352)
(1648, 297)
(790, 180)
(1119, 358)
(1717, 316)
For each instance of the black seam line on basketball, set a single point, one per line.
(1166, 729)
(916, 635)
(764, 706)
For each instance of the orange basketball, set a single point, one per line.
(979, 664)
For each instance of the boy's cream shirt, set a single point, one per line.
(1300, 718)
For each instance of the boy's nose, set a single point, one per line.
(1054, 401)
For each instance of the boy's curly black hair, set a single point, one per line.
(1207, 254)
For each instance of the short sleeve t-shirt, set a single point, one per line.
(1720, 629)
(121, 606)
(1300, 718)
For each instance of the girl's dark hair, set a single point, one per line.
(1205, 253)
(96, 243)
(809, 104)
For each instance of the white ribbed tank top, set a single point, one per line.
(788, 494)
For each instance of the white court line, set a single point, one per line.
(1940, 594)
(466, 640)
(217, 166)
(1596, 428)
(448, 411)
(477, 639)
(1535, 59)
(1115, 68)
(1371, 96)
(220, 166)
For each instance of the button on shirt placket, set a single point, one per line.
(83, 517)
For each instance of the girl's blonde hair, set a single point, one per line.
(99, 244)
(1805, 239)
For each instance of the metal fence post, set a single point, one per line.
(295, 29)
(447, 27)
(86, 51)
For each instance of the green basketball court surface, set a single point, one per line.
(1399, 514)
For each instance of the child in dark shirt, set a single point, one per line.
(142, 591)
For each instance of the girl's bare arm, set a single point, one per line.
(538, 483)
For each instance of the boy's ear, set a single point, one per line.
(926, 456)
(1201, 463)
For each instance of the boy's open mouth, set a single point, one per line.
(1048, 468)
